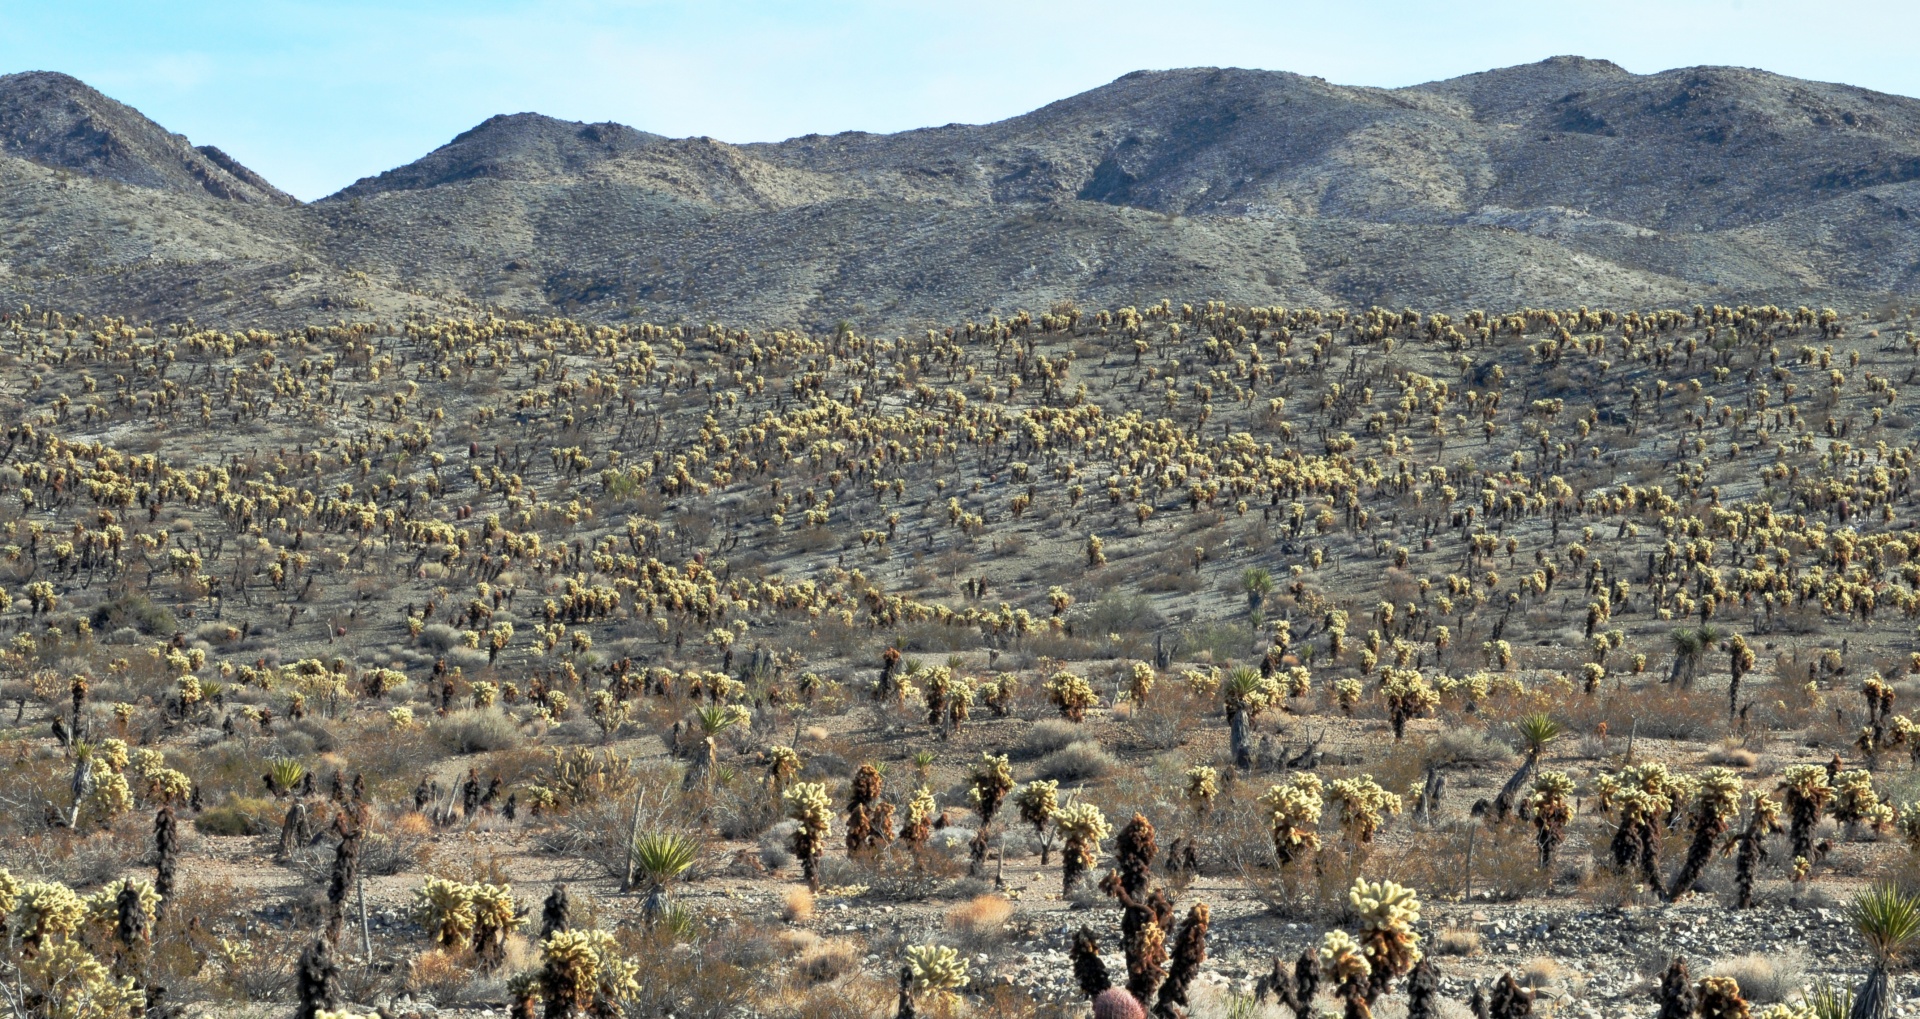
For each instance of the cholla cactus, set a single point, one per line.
(1362, 806)
(1203, 784)
(1805, 790)
(126, 907)
(1037, 802)
(1855, 802)
(783, 766)
(108, 799)
(1189, 953)
(45, 910)
(69, 983)
(1388, 913)
(1140, 682)
(1644, 795)
(1408, 696)
(1344, 961)
(1551, 807)
(1763, 819)
(495, 915)
(445, 909)
(936, 968)
(1347, 694)
(1202, 683)
(1716, 800)
(988, 786)
(1071, 694)
(808, 803)
(1084, 827)
(1294, 815)
(583, 971)
(920, 811)
(1720, 999)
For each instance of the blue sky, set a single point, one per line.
(314, 95)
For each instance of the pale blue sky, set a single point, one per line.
(315, 94)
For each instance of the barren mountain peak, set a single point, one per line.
(59, 121)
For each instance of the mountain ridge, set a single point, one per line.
(1568, 180)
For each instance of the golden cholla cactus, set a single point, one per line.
(1140, 682)
(47, 909)
(1550, 804)
(1203, 784)
(1388, 913)
(445, 909)
(1084, 827)
(809, 804)
(1294, 808)
(936, 968)
(1407, 695)
(1072, 694)
(69, 983)
(1344, 961)
(1856, 803)
(1805, 791)
(1347, 694)
(1363, 806)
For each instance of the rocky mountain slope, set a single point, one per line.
(1566, 181)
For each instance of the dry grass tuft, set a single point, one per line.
(796, 905)
(981, 916)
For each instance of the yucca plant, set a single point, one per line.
(283, 775)
(659, 859)
(1887, 920)
(1536, 732)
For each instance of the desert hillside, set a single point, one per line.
(1564, 182)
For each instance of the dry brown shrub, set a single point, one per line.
(796, 904)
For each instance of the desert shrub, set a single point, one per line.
(1077, 762)
(475, 730)
(1765, 978)
(1119, 612)
(1048, 736)
(1464, 745)
(241, 815)
(135, 610)
(439, 638)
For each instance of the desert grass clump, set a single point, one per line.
(808, 803)
(1294, 808)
